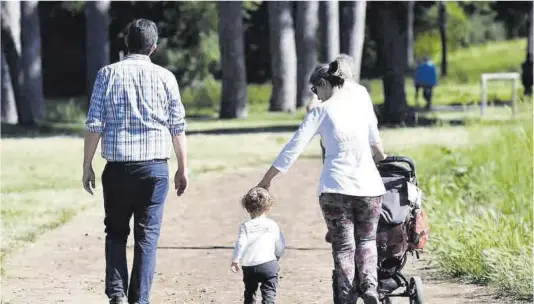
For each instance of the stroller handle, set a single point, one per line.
(400, 159)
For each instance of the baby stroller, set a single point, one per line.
(402, 229)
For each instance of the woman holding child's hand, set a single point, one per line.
(350, 187)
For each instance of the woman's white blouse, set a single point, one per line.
(348, 128)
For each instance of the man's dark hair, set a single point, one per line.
(141, 35)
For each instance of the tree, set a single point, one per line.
(329, 30)
(306, 38)
(10, 54)
(97, 39)
(11, 44)
(526, 67)
(443, 36)
(389, 22)
(530, 38)
(231, 46)
(8, 105)
(353, 32)
(31, 60)
(283, 57)
(409, 35)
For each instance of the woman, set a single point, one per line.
(350, 187)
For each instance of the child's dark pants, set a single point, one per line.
(265, 274)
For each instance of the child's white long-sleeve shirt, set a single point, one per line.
(259, 241)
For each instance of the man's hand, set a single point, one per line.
(234, 267)
(88, 179)
(180, 181)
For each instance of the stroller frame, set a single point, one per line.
(412, 287)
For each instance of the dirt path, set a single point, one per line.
(67, 264)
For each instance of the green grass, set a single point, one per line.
(38, 186)
(479, 201)
(462, 85)
(466, 65)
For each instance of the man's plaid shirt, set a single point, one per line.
(135, 105)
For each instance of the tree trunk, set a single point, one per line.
(390, 22)
(306, 38)
(346, 20)
(8, 105)
(31, 60)
(443, 35)
(526, 67)
(283, 57)
(11, 44)
(97, 39)
(357, 36)
(530, 39)
(329, 30)
(410, 36)
(232, 48)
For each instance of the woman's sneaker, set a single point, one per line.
(370, 297)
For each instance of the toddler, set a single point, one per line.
(260, 244)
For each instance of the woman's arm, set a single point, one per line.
(378, 152)
(296, 145)
(268, 177)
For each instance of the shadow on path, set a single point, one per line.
(231, 248)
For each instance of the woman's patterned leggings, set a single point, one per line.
(352, 222)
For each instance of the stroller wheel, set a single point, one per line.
(386, 301)
(416, 290)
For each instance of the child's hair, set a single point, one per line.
(257, 201)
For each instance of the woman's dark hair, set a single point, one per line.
(335, 73)
(332, 72)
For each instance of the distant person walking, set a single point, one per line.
(136, 109)
(426, 78)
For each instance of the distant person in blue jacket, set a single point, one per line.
(426, 78)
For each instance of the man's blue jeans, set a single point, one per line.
(138, 189)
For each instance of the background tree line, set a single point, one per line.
(54, 49)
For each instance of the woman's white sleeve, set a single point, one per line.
(296, 145)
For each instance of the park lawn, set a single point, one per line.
(41, 176)
(479, 201)
(462, 85)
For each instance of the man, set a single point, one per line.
(135, 104)
(426, 77)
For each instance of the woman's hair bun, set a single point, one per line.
(334, 69)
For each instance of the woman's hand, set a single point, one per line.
(268, 177)
(265, 184)
(379, 157)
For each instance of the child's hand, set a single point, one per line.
(235, 267)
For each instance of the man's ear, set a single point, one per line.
(153, 49)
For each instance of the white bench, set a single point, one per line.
(485, 77)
